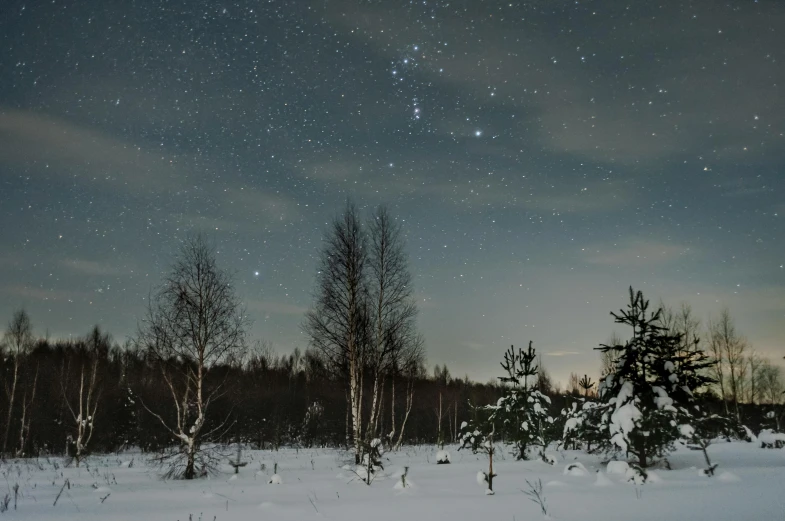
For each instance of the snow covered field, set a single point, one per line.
(318, 484)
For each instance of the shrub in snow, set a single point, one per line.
(699, 433)
(581, 425)
(651, 388)
(403, 483)
(536, 495)
(636, 474)
(769, 439)
(372, 459)
(442, 457)
(478, 436)
(575, 469)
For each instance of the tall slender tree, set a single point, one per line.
(19, 340)
(337, 325)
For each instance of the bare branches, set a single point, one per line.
(194, 322)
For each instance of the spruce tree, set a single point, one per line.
(650, 391)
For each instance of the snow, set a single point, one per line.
(575, 469)
(617, 467)
(686, 431)
(748, 485)
(442, 457)
(602, 480)
(769, 437)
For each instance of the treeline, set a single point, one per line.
(92, 391)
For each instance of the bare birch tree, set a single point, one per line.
(393, 310)
(82, 402)
(338, 322)
(194, 321)
(728, 349)
(18, 340)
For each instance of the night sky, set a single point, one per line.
(542, 156)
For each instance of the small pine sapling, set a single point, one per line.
(699, 433)
(478, 436)
(586, 384)
(523, 410)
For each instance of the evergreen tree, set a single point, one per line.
(522, 412)
(648, 394)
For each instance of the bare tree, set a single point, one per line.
(393, 310)
(26, 417)
(573, 385)
(607, 358)
(411, 368)
(19, 340)
(728, 350)
(771, 383)
(754, 363)
(194, 321)
(683, 322)
(338, 323)
(82, 403)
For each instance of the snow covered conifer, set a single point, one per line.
(523, 410)
(651, 386)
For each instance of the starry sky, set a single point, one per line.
(542, 156)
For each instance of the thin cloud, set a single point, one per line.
(637, 253)
(95, 268)
(562, 353)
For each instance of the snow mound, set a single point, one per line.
(442, 457)
(575, 469)
(617, 467)
(728, 477)
(602, 480)
(275, 479)
(769, 438)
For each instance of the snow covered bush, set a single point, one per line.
(581, 425)
(442, 457)
(478, 436)
(699, 433)
(650, 391)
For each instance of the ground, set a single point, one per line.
(319, 484)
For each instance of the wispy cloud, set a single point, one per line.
(638, 252)
(42, 294)
(90, 267)
(561, 353)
